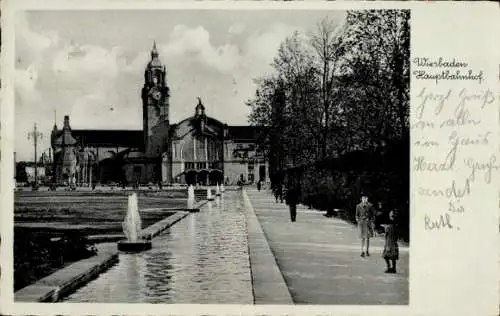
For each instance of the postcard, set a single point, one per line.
(250, 158)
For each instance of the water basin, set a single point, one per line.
(201, 259)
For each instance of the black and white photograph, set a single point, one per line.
(212, 156)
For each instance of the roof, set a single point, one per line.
(122, 138)
(65, 138)
(242, 133)
(155, 63)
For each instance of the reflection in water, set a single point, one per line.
(201, 259)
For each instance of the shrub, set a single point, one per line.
(339, 183)
(37, 255)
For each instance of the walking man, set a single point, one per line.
(292, 199)
(364, 218)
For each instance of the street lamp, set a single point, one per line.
(35, 135)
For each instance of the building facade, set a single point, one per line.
(197, 150)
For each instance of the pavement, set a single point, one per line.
(320, 261)
(268, 284)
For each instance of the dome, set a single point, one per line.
(155, 63)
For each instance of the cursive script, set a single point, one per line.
(452, 124)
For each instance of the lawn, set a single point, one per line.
(88, 212)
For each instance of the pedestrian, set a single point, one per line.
(274, 187)
(364, 218)
(379, 219)
(259, 185)
(391, 248)
(282, 192)
(292, 199)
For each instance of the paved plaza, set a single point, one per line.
(320, 259)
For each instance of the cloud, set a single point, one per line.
(194, 44)
(236, 29)
(87, 70)
(31, 45)
(99, 87)
(26, 80)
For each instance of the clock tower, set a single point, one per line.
(155, 102)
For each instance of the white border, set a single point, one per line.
(7, 116)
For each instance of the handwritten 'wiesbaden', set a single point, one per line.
(458, 114)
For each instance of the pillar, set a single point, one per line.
(266, 163)
(206, 152)
(194, 148)
(164, 173)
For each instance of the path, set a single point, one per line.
(320, 259)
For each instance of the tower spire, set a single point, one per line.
(154, 51)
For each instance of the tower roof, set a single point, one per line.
(200, 108)
(200, 104)
(155, 61)
(154, 51)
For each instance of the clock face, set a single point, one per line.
(155, 94)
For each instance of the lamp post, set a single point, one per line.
(35, 135)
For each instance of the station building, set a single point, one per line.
(197, 150)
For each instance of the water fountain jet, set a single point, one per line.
(190, 200)
(209, 195)
(132, 229)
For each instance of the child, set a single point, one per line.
(391, 248)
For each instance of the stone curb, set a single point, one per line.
(158, 227)
(268, 284)
(70, 278)
(199, 204)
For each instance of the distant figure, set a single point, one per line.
(292, 199)
(160, 185)
(379, 218)
(277, 192)
(391, 248)
(283, 191)
(364, 218)
(93, 186)
(259, 185)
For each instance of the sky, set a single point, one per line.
(90, 64)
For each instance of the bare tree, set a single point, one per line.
(325, 42)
